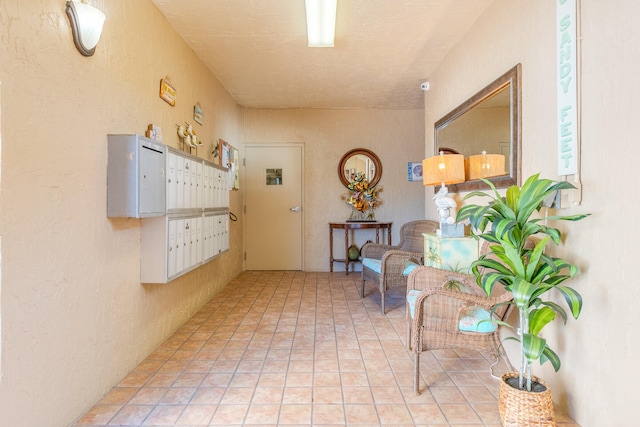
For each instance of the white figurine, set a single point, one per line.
(444, 204)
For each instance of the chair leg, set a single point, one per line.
(362, 289)
(416, 373)
(408, 333)
(382, 292)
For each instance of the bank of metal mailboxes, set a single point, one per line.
(136, 185)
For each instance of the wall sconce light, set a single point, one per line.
(86, 25)
(321, 22)
(484, 166)
(442, 170)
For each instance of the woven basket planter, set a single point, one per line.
(521, 408)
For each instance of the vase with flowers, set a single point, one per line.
(362, 198)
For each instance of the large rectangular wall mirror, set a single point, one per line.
(488, 122)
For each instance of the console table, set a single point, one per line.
(346, 226)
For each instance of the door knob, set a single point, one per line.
(295, 209)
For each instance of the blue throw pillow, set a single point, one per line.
(476, 319)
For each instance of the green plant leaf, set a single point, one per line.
(561, 266)
(512, 339)
(533, 347)
(522, 292)
(489, 238)
(512, 256)
(534, 258)
(512, 197)
(554, 233)
(502, 228)
(503, 210)
(576, 217)
(465, 212)
(498, 322)
(530, 228)
(550, 269)
(539, 318)
(573, 299)
(479, 218)
(492, 264)
(562, 185)
(493, 187)
(475, 194)
(488, 281)
(540, 289)
(550, 356)
(532, 194)
(498, 306)
(502, 257)
(555, 307)
(556, 279)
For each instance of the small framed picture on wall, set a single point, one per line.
(414, 171)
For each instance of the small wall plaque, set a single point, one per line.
(198, 114)
(167, 92)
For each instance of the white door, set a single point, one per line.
(274, 183)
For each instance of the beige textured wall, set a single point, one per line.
(395, 136)
(75, 318)
(596, 383)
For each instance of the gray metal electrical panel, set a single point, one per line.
(135, 177)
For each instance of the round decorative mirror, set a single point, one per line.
(363, 161)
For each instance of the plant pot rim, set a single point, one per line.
(507, 375)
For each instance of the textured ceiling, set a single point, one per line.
(384, 49)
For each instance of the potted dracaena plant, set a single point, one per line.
(523, 268)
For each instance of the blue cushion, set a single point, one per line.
(409, 267)
(476, 319)
(376, 265)
(412, 296)
(372, 264)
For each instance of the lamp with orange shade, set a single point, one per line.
(484, 166)
(441, 170)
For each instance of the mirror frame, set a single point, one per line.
(513, 78)
(363, 151)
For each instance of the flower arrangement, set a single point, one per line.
(363, 198)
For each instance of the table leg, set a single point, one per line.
(346, 250)
(389, 234)
(330, 249)
(377, 235)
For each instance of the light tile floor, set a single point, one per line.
(299, 349)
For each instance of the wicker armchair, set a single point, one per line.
(393, 259)
(434, 323)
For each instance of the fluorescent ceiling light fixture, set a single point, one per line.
(321, 22)
(86, 24)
